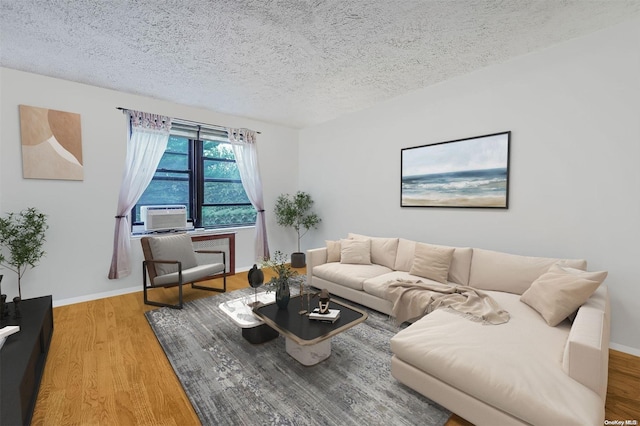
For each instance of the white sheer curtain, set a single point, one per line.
(243, 142)
(147, 139)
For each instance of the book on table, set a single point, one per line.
(330, 316)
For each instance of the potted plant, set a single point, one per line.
(294, 211)
(22, 235)
(279, 283)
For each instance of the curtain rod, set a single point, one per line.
(215, 126)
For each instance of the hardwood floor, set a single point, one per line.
(106, 367)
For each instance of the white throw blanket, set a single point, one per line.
(414, 299)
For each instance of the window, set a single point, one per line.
(198, 169)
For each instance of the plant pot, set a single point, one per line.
(298, 260)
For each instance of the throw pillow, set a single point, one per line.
(383, 250)
(594, 276)
(405, 253)
(333, 251)
(557, 293)
(355, 251)
(432, 262)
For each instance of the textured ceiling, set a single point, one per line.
(293, 62)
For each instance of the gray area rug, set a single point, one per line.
(232, 382)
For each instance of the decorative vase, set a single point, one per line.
(283, 295)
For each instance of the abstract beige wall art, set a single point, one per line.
(51, 144)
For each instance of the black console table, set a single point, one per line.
(22, 359)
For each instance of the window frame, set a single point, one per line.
(195, 173)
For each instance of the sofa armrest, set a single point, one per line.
(315, 257)
(586, 354)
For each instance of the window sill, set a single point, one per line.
(196, 231)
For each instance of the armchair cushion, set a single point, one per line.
(189, 275)
(172, 247)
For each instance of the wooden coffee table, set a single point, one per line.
(308, 341)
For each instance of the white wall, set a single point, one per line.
(574, 113)
(81, 213)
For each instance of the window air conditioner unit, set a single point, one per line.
(164, 218)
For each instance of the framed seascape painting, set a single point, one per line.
(468, 173)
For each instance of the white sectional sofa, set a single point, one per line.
(525, 371)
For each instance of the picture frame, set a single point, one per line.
(463, 173)
(51, 143)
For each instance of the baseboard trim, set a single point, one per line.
(95, 296)
(119, 292)
(626, 349)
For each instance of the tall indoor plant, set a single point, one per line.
(294, 211)
(22, 234)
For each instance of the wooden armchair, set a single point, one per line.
(170, 261)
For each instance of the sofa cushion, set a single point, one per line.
(458, 270)
(515, 367)
(355, 251)
(383, 250)
(492, 270)
(561, 291)
(432, 262)
(333, 251)
(349, 275)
